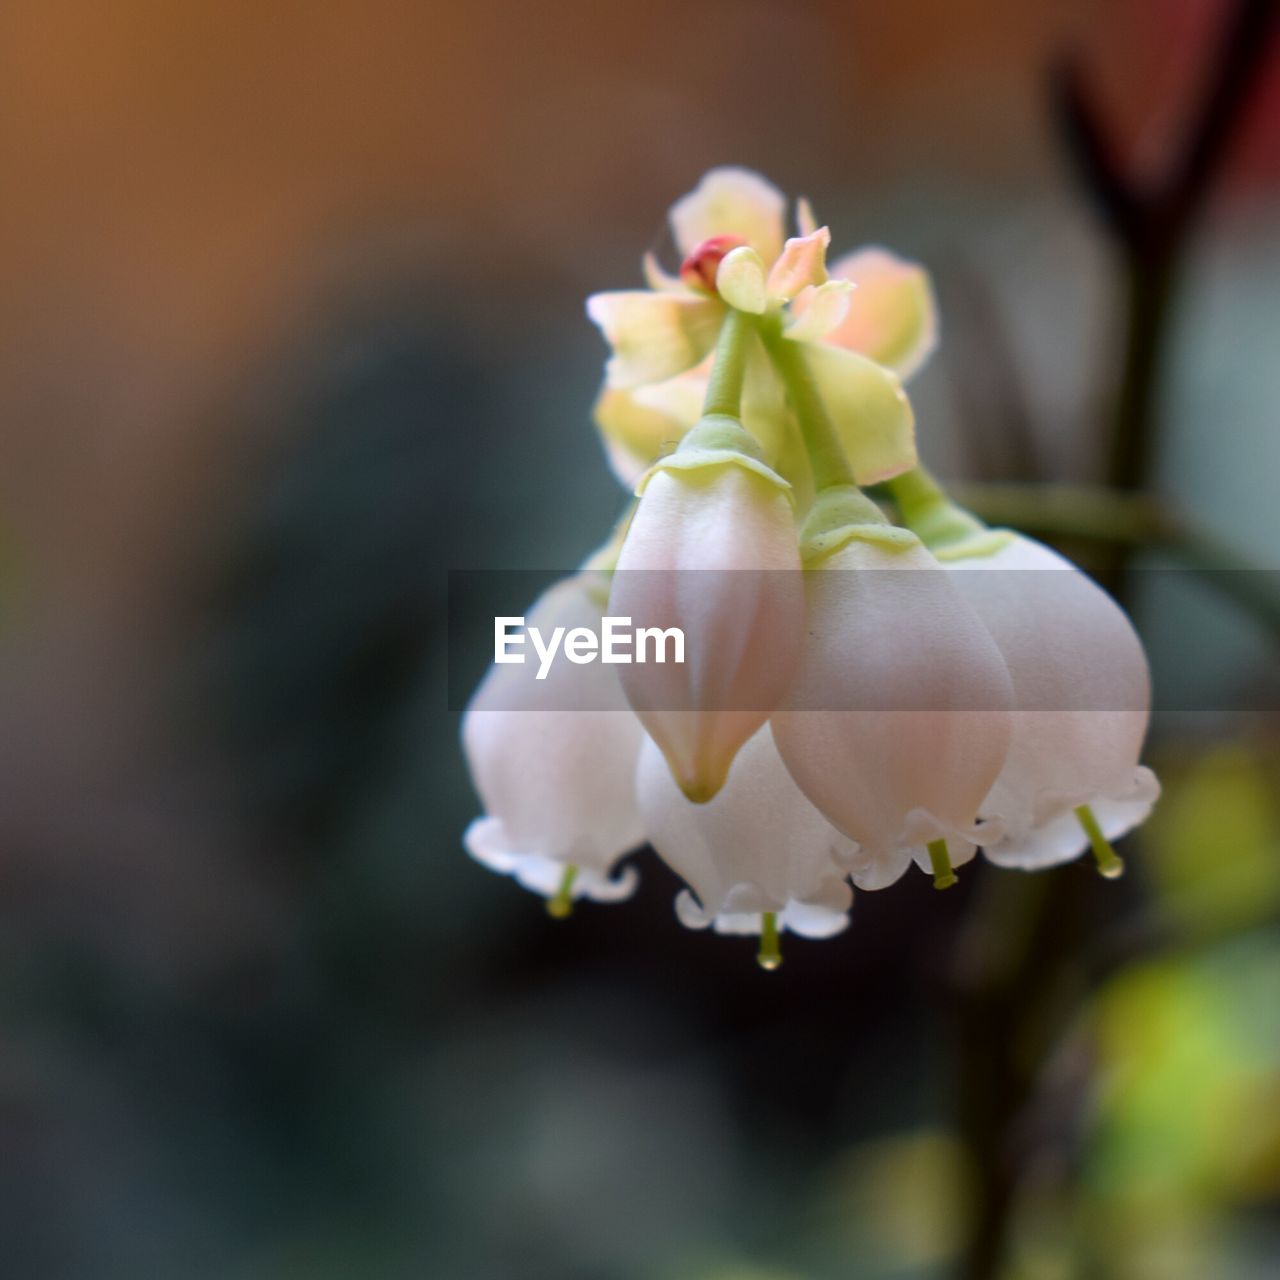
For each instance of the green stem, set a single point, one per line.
(944, 875)
(770, 954)
(1110, 864)
(928, 512)
(724, 388)
(561, 905)
(822, 444)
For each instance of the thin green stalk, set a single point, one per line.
(928, 511)
(826, 455)
(724, 388)
(770, 954)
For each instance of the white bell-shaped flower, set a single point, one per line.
(712, 552)
(898, 722)
(759, 849)
(554, 761)
(1082, 697)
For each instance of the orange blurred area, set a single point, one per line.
(185, 180)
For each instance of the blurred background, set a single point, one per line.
(290, 325)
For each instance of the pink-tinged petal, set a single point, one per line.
(699, 270)
(740, 280)
(654, 336)
(893, 317)
(871, 413)
(802, 264)
(816, 312)
(898, 720)
(658, 278)
(805, 219)
(712, 551)
(730, 201)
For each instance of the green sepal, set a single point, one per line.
(842, 514)
(973, 546)
(717, 440)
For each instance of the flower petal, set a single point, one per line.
(805, 219)
(640, 425)
(871, 413)
(740, 280)
(554, 760)
(816, 312)
(897, 722)
(893, 317)
(658, 278)
(757, 846)
(654, 336)
(802, 263)
(730, 201)
(712, 552)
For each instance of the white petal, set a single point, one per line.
(1060, 838)
(893, 318)
(1082, 697)
(654, 336)
(730, 201)
(489, 843)
(554, 760)
(758, 846)
(871, 413)
(712, 552)
(898, 722)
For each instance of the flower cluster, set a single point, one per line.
(856, 695)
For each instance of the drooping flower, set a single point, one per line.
(758, 849)
(730, 229)
(554, 762)
(898, 722)
(1082, 698)
(712, 552)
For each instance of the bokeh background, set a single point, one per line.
(290, 325)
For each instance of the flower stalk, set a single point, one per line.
(724, 388)
(1110, 864)
(826, 456)
(769, 957)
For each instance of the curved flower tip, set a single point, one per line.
(554, 762)
(489, 843)
(730, 201)
(892, 318)
(758, 851)
(816, 920)
(654, 336)
(712, 555)
(1063, 837)
(1081, 697)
